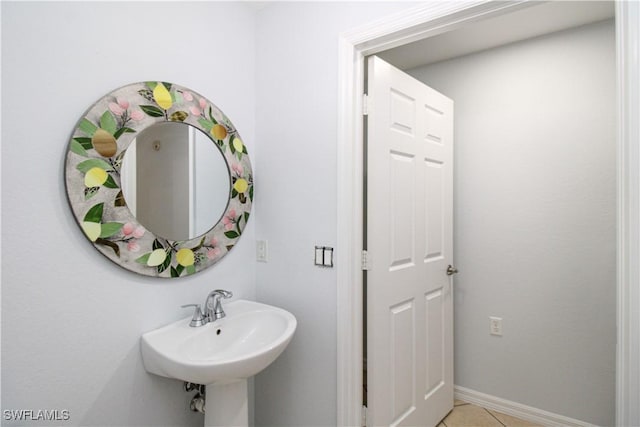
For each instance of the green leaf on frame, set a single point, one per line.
(244, 149)
(206, 124)
(246, 218)
(85, 142)
(229, 247)
(167, 85)
(110, 244)
(178, 116)
(211, 116)
(157, 245)
(162, 267)
(110, 183)
(87, 165)
(174, 272)
(251, 193)
(90, 192)
(177, 97)
(144, 258)
(152, 110)
(179, 269)
(76, 147)
(199, 244)
(191, 269)
(94, 214)
(87, 127)
(232, 234)
(119, 200)
(151, 85)
(108, 123)
(234, 193)
(110, 228)
(120, 131)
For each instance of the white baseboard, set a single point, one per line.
(518, 410)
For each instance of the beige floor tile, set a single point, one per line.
(441, 425)
(457, 402)
(510, 421)
(470, 416)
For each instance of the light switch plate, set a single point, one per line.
(328, 257)
(262, 252)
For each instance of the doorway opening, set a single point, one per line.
(429, 22)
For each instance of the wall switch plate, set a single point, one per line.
(328, 257)
(495, 326)
(262, 253)
(323, 256)
(319, 255)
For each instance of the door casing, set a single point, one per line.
(427, 21)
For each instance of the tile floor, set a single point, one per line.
(467, 415)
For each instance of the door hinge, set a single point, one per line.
(365, 260)
(364, 416)
(365, 104)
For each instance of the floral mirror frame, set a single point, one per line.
(92, 175)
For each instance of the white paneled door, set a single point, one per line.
(409, 244)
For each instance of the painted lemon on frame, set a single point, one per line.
(104, 143)
(185, 257)
(219, 132)
(95, 177)
(92, 230)
(241, 185)
(162, 96)
(156, 257)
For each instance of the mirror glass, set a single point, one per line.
(175, 180)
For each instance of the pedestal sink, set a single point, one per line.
(221, 354)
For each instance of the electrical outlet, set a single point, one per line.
(495, 326)
(262, 253)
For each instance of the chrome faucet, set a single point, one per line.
(212, 305)
(212, 308)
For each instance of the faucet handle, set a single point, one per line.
(198, 317)
(223, 293)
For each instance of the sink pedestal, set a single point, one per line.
(226, 405)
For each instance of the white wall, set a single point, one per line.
(535, 219)
(71, 319)
(296, 126)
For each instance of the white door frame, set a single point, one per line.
(428, 20)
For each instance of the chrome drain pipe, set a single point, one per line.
(199, 399)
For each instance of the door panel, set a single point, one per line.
(409, 235)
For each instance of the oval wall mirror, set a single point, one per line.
(159, 179)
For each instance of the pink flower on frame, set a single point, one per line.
(213, 253)
(229, 220)
(237, 168)
(133, 246)
(187, 96)
(127, 229)
(139, 232)
(136, 115)
(120, 108)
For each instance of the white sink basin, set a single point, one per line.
(238, 346)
